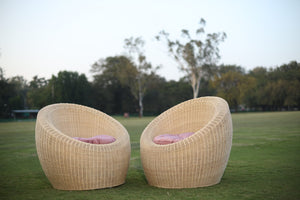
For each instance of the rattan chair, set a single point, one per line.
(197, 161)
(70, 164)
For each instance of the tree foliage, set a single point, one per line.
(192, 54)
(259, 89)
(38, 95)
(112, 78)
(69, 87)
(233, 85)
(144, 69)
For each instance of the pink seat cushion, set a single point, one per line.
(166, 139)
(98, 139)
(185, 135)
(169, 139)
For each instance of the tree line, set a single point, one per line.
(265, 89)
(130, 84)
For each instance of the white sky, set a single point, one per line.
(40, 37)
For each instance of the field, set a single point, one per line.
(264, 163)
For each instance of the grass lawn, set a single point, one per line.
(264, 164)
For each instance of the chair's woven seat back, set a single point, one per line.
(197, 161)
(70, 164)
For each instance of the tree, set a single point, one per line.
(112, 77)
(70, 87)
(116, 69)
(260, 97)
(38, 94)
(6, 92)
(1, 74)
(192, 54)
(227, 87)
(138, 85)
(233, 85)
(19, 89)
(293, 95)
(283, 86)
(12, 94)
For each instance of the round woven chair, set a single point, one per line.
(197, 161)
(70, 164)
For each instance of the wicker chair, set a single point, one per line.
(71, 164)
(197, 161)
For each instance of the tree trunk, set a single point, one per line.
(141, 111)
(195, 83)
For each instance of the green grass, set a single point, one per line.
(264, 164)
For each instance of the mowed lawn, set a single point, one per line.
(264, 163)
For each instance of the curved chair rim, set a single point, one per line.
(47, 110)
(217, 117)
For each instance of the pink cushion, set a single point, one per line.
(185, 135)
(98, 139)
(166, 139)
(169, 139)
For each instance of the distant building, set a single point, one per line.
(24, 114)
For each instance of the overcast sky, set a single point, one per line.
(40, 37)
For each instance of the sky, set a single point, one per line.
(43, 37)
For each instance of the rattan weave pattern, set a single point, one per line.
(197, 161)
(70, 164)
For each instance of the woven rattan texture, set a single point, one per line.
(70, 164)
(197, 161)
